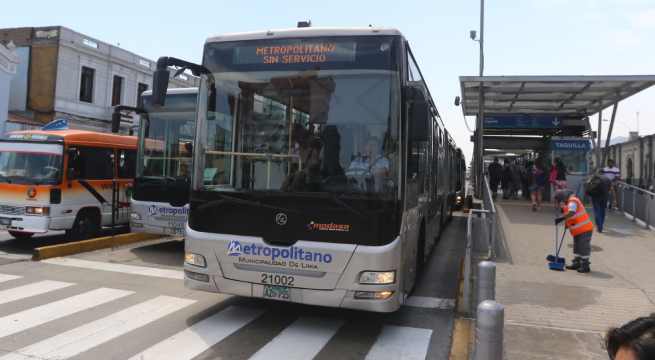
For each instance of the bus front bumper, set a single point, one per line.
(25, 223)
(342, 298)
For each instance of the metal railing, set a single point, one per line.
(638, 204)
(481, 231)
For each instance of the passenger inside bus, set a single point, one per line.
(370, 169)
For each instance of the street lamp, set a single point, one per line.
(480, 120)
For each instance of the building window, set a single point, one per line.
(117, 91)
(86, 84)
(141, 87)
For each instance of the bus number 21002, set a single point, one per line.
(276, 279)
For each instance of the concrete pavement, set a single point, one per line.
(563, 315)
(130, 302)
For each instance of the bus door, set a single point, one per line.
(122, 187)
(91, 171)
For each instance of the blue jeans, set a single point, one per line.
(600, 206)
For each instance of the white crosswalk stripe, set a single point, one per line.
(305, 338)
(29, 290)
(90, 335)
(401, 342)
(39, 315)
(5, 277)
(121, 268)
(301, 340)
(201, 336)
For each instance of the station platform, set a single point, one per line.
(564, 315)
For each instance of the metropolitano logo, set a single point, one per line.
(234, 248)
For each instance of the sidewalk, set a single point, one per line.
(563, 315)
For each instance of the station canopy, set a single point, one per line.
(563, 96)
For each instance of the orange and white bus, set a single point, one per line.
(71, 180)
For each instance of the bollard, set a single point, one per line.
(486, 281)
(489, 331)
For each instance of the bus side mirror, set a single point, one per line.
(160, 82)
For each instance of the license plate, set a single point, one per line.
(276, 292)
(5, 221)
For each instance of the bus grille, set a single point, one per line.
(12, 210)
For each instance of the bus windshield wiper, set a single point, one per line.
(236, 200)
(345, 205)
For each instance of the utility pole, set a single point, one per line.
(480, 125)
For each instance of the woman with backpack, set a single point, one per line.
(537, 184)
(598, 187)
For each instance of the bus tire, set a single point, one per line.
(86, 226)
(20, 235)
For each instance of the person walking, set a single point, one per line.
(495, 173)
(506, 179)
(560, 177)
(613, 173)
(598, 188)
(537, 184)
(515, 174)
(577, 220)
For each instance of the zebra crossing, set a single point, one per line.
(303, 337)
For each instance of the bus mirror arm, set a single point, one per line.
(162, 75)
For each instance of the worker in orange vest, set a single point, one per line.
(579, 224)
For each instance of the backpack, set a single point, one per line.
(592, 186)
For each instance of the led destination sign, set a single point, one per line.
(297, 52)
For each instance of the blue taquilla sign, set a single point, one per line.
(570, 144)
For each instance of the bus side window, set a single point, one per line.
(126, 164)
(95, 163)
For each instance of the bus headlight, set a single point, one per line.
(135, 216)
(373, 295)
(37, 210)
(377, 277)
(195, 260)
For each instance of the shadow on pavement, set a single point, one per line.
(170, 253)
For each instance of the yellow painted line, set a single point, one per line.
(462, 339)
(46, 252)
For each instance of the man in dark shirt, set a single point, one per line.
(495, 173)
(599, 196)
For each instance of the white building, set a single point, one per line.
(66, 74)
(8, 63)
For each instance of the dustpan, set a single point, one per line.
(556, 262)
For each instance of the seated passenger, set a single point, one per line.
(371, 168)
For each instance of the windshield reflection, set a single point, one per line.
(292, 131)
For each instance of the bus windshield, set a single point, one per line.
(301, 115)
(30, 163)
(166, 138)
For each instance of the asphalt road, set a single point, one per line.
(131, 303)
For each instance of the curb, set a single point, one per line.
(46, 252)
(461, 344)
(462, 339)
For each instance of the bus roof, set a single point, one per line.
(83, 137)
(303, 32)
(175, 91)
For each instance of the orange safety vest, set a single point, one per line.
(579, 223)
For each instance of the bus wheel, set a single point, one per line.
(20, 235)
(87, 225)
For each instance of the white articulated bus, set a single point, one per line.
(322, 172)
(160, 200)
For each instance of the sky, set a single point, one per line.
(522, 37)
